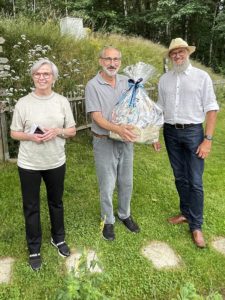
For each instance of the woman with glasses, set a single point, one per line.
(42, 120)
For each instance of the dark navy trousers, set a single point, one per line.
(181, 145)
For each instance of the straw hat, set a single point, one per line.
(179, 43)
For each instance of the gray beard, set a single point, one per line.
(110, 74)
(181, 68)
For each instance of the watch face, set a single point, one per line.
(208, 137)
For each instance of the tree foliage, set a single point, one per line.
(200, 22)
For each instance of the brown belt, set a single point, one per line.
(101, 136)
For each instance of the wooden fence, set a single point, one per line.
(4, 152)
(77, 104)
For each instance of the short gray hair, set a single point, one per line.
(42, 62)
(101, 53)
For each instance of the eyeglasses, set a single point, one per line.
(110, 59)
(179, 52)
(45, 75)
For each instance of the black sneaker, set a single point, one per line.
(130, 224)
(62, 247)
(35, 261)
(108, 232)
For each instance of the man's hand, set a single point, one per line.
(204, 148)
(157, 146)
(126, 133)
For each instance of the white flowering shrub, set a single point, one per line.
(18, 81)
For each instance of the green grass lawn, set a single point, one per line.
(127, 274)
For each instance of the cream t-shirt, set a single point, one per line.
(48, 112)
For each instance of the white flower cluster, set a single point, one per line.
(72, 68)
(17, 82)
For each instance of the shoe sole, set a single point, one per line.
(53, 244)
(177, 223)
(110, 240)
(36, 270)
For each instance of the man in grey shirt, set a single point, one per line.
(187, 99)
(113, 159)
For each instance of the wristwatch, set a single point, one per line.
(208, 137)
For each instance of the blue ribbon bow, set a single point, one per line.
(134, 86)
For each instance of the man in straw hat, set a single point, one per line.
(187, 99)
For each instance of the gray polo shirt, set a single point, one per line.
(101, 96)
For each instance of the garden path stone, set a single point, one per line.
(6, 269)
(73, 260)
(161, 255)
(219, 244)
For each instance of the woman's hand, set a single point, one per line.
(36, 137)
(23, 136)
(49, 134)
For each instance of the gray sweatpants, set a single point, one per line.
(114, 163)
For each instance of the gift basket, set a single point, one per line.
(136, 108)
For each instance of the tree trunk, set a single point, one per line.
(125, 8)
(34, 6)
(14, 8)
(66, 8)
(186, 28)
(212, 32)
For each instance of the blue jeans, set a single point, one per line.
(114, 164)
(181, 145)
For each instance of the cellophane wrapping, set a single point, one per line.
(136, 108)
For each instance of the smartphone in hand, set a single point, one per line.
(38, 130)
